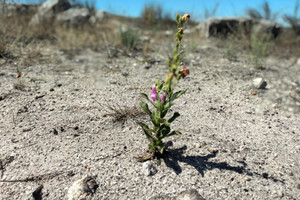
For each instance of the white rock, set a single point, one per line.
(48, 10)
(149, 169)
(83, 188)
(298, 61)
(259, 83)
(189, 195)
(74, 16)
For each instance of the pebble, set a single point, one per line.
(259, 83)
(83, 188)
(148, 168)
(58, 84)
(26, 129)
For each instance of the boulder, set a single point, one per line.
(73, 16)
(267, 27)
(49, 9)
(215, 27)
(99, 16)
(10, 8)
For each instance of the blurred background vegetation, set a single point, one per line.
(153, 27)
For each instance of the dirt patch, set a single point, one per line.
(234, 144)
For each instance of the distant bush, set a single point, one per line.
(154, 15)
(259, 47)
(151, 14)
(294, 20)
(265, 13)
(211, 13)
(129, 38)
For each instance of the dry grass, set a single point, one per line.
(120, 113)
(20, 85)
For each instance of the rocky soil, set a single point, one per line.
(238, 142)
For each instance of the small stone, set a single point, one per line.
(161, 198)
(213, 150)
(185, 195)
(189, 195)
(83, 188)
(37, 193)
(147, 67)
(298, 61)
(149, 169)
(54, 131)
(26, 129)
(39, 96)
(51, 89)
(113, 82)
(58, 84)
(259, 83)
(265, 175)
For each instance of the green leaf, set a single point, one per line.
(161, 150)
(167, 106)
(151, 147)
(145, 96)
(163, 121)
(147, 131)
(177, 94)
(164, 130)
(175, 115)
(154, 118)
(174, 133)
(145, 107)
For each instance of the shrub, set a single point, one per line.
(129, 38)
(294, 20)
(266, 13)
(259, 47)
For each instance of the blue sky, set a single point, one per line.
(196, 8)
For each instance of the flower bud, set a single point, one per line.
(163, 97)
(186, 16)
(153, 93)
(184, 71)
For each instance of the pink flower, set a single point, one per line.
(184, 71)
(153, 93)
(163, 97)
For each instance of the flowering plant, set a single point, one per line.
(162, 97)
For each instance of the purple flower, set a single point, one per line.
(163, 97)
(153, 93)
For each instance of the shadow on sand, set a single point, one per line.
(202, 164)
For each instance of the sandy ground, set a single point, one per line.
(237, 145)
